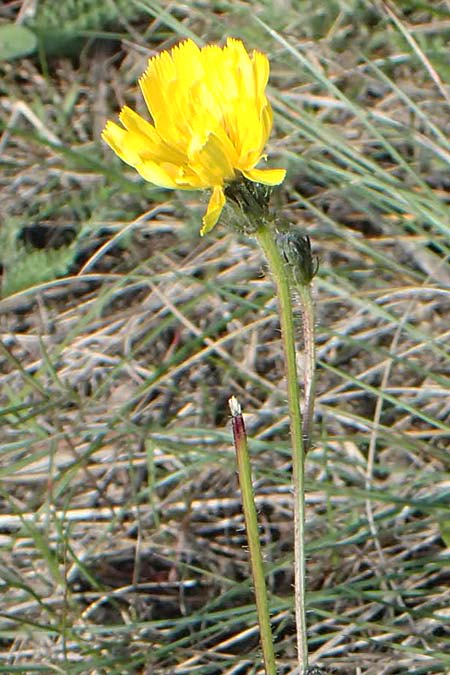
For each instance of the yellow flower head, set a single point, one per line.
(211, 121)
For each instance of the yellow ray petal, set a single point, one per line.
(212, 159)
(260, 72)
(114, 136)
(266, 176)
(130, 146)
(215, 206)
(132, 121)
(156, 174)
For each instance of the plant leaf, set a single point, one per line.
(16, 41)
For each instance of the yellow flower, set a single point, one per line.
(211, 121)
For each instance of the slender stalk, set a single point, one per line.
(309, 343)
(267, 242)
(254, 545)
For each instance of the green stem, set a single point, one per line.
(254, 544)
(267, 242)
(308, 328)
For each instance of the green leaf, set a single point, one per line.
(16, 41)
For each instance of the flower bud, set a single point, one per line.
(295, 248)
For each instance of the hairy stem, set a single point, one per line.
(268, 244)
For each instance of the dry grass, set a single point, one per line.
(120, 523)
